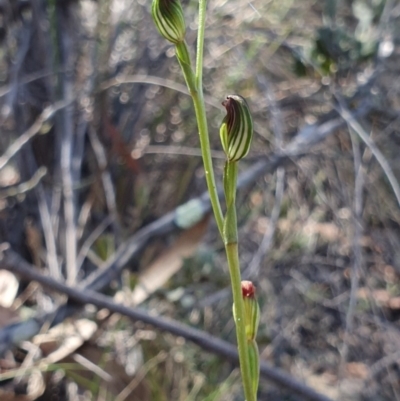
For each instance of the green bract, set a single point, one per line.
(237, 128)
(251, 309)
(168, 17)
(254, 360)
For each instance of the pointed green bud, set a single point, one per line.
(251, 309)
(237, 128)
(168, 17)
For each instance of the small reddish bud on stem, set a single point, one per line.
(248, 289)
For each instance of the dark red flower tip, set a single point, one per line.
(248, 289)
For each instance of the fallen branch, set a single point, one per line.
(357, 127)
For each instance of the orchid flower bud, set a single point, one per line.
(251, 309)
(169, 20)
(237, 128)
(251, 321)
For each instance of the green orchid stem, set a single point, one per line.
(200, 110)
(183, 56)
(234, 271)
(227, 226)
(254, 359)
(231, 247)
(200, 43)
(199, 107)
(230, 221)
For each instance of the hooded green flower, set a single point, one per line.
(237, 128)
(168, 18)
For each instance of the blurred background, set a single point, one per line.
(98, 142)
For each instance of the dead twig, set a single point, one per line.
(152, 80)
(108, 186)
(48, 233)
(24, 187)
(33, 130)
(94, 235)
(356, 126)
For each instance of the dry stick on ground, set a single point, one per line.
(9, 260)
(356, 126)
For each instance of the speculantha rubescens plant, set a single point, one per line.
(236, 133)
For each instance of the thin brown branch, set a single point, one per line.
(178, 150)
(33, 130)
(108, 186)
(94, 235)
(152, 80)
(24, 186)
(356, 126)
